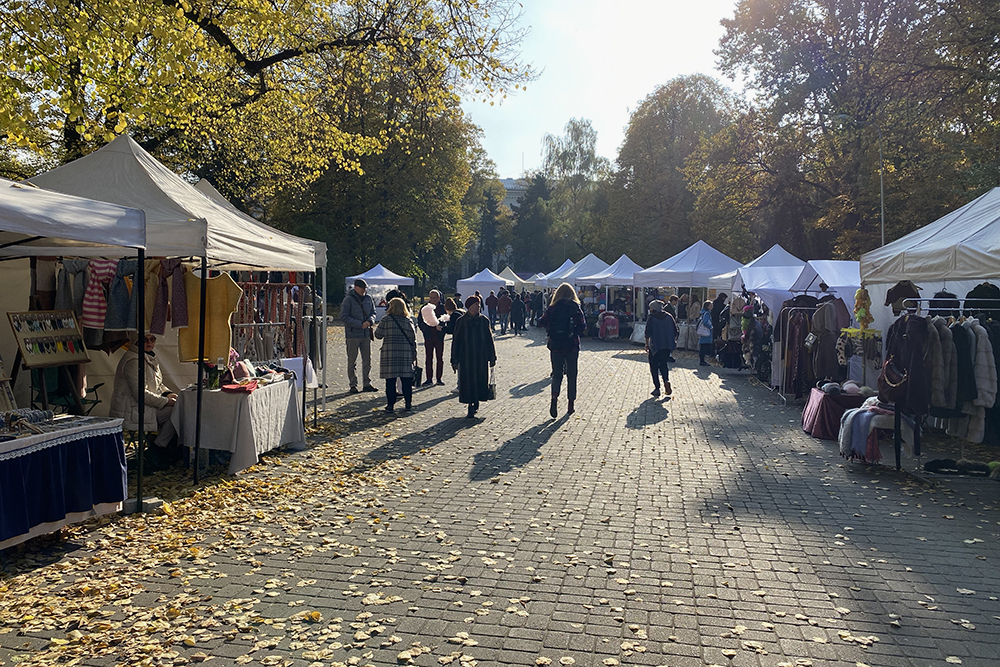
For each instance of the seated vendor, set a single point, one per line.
(160, 399)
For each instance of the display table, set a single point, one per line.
(821, 416)
(246, 425)
(74, 471)
(687, 336)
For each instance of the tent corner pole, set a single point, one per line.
(140, 325)
(201, 365)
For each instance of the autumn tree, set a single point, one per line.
(532, 238)
(266, 85)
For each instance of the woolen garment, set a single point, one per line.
(95, 305)
(72, 285)
(222, 295)
(934, 360)
(399, 347)
(125, 397)
(985, 369)
(948, 360)
(170, 296)
(472, 351)
(564, 309)
(987, 303)
(992, 418)
(355, 310)
(965, 364)
(661, 332)
(706, 319)
(826, 324)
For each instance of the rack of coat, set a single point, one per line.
(951, 372)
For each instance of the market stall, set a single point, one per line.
(380, 281)
(56, 471)
(519, 284)
(619, 274)
(556, 277)
(184, 224)
(483, 282)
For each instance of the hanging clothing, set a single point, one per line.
(830, 317)
(984, 310)
(906, 343)
(71, 286)
(796, 355)
(95, 303)
(171, 295)
(122, 304)
(944, 304)
(899, 293)
(222, 297)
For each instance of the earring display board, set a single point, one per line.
(48, 338)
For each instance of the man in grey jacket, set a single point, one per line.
(358, 314)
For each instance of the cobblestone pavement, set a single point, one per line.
(704, 530)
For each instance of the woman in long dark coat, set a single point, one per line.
(472, 354)
(399, 351)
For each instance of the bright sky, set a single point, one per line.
(597, 59)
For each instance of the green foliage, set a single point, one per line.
(532, 238)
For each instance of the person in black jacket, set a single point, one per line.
(718, 320)
(518, 312)
(564, 321)
(472, 351)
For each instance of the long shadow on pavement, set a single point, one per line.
(411, 443)
(649, 412)
(525, 390)
(514, 453)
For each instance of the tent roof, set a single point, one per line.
(835, 274)
(619, 273)
(181, 221)
(776, 256)
(517, 281)
(484, 281)
(776, 269)
(692, 267)
(962, 245)
(555, 276)
(587, 266)
(379, 275)
(205, 187)
(64, 222)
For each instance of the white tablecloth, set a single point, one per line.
(245, 424)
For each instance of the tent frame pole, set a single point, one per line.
(201, 366)
(140, 325)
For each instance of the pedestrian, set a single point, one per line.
(705, 331)
(433, 332)
(564, 321)
(491, 308)
(671, 308)
(661, 339)
(399, 352)
(682, 308)
(453, 313)
(357, 311)
(718, 321)
(504, 305)
(482, 306)
(472, 355)
(518, 313)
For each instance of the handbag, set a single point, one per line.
(418, 372)
(892, 382)
(703, 330)
(491, 389)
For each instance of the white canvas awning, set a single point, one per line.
(484, 281)
(555, 277)
(843, 278)
(205, 187)
(379, 275)
(517, 282)
(181, 221)
(587, 266)
(693, 267)
(618, 274)
(34, 221)
(962, 245)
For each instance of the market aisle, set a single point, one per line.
(704, 530)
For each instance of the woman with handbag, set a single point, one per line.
(399, 352)
(472, 356)
(705, 330)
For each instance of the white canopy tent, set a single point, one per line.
(770, 277)
(484, 281)
(692, 267)
(379, 275)
(555, 277)
(618, 274)
(956, 252)
(518, 283)
(843, 278)
(587, 266)
(182, 221)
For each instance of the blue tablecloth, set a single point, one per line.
(50, 480)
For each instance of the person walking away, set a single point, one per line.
(472, 355)
(357, 311)
(671, 308)
(491, 308)
(433, 332)
(504, 305)
(705, 333)
(661, 339)
(718, 321)
(399, 352)
(536, 307)
(564, 321)
(518, 313)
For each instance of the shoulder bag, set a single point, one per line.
(892, 382)
(418, 372)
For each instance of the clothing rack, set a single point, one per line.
(853, 332)
(784, 343)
